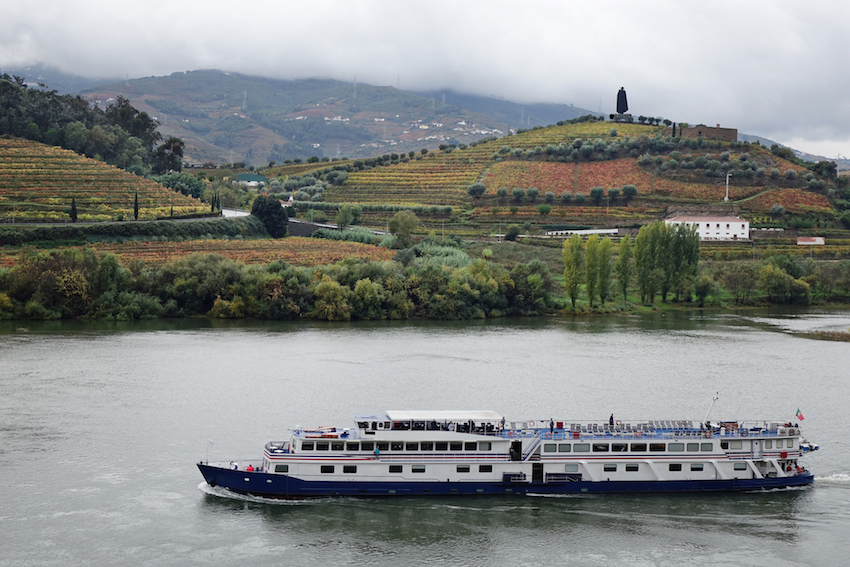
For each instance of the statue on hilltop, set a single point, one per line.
(622, 108)
(622, 103)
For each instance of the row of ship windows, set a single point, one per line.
(623, 447)
(572, 468)
(654, 447)
(396, 446)
(352, 469)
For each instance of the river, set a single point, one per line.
(101, 425)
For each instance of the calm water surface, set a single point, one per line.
(101, 426)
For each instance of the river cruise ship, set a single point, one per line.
(415, 453)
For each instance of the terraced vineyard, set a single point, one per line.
(37, 183)
(293, 250)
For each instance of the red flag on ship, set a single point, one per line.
(800, 415)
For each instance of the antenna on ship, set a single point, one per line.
(714, 399)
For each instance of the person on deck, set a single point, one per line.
(611, 420)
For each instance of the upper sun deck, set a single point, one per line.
(489, 423)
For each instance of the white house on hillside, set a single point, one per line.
(716, 228)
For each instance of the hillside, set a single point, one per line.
(580, 171)
(227, 117)
(37, 183)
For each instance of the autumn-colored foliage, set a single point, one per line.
(37, 183)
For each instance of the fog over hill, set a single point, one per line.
(227, 117)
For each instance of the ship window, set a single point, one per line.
(322, 445)
(383, 446)
(352, 446)
(609, 468)
(419, 426)
(484, 446)
(638, 447)
(696, 466)
(470, 446)
(456, 446)
(442, 446)
(463, 468)
(724, 444)
(769, 444)
(740, 466)
(619, 447)
(735, 444)
(581, 447)
(281, 468)
(485, 468)
(337, 446)
(349, 469)
(570, 468)
(600, 447)
(327, 469)
(657, 447)
(401, 425)
(692, 447)
(397, 446)
(676, 447)
(632, 468)
(362, 424)
(307, 446)
(427, 445)
(564, 447)
(706, 446)
(417, 468)
(675, 467)
(366, 446)
(412, 446)
(395, 468)
(550, 447)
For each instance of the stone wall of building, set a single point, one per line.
(707, 132)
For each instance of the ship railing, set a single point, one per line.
(658, 430)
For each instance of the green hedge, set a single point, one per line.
(21, 235)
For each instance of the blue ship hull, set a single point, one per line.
(283, 486)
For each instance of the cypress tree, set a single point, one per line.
(73, 212)
(136, 206)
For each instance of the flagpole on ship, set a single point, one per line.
(714, 399)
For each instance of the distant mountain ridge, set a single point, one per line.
(230, 117)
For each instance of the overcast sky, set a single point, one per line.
(774, 69)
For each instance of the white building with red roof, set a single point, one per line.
(715, 228)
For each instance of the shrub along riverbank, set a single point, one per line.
(79, 283)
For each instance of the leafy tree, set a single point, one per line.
(613, 193)
(550, 197)
(401, 225)
(273, 216)
(596, 195)
(704, 287)
(476, 190)
(591, 262)
(518, 195)
(344, 217)
(533, 193)
(740, 280)
(544, 209)
(168, 156)
(606, 248)
(573, 267)
(624, 265)
(184, 183)
(629, 192)
(502, 194)
(513, 232)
